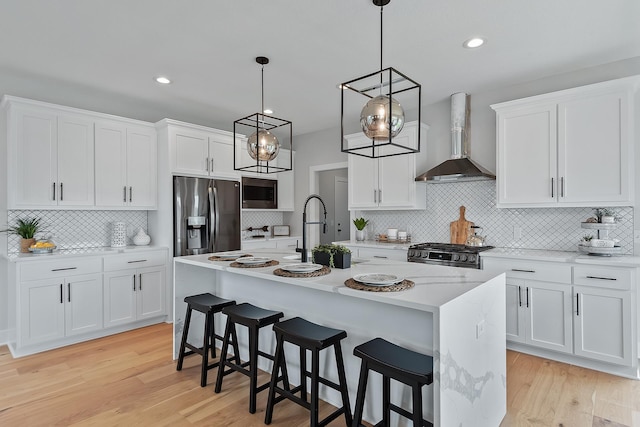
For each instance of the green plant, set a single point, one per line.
(600, 212)
(587, 237)
(331, 249)
(25, 228)
(360, 223)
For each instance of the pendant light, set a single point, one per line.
(269, 138)
(383, 115)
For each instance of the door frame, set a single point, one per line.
(314, 187)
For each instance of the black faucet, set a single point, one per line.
(305, 223)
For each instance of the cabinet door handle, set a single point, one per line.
(61, 301)
(206, 164)
(380, 256)
(124, 194)
(375, 196)
(138, 260)
(69, 292)
(562, 186)
(519, 296)
(54, 191)
(577, 304)
(140, 281)
(130, 194)
(61, 192)
(523, 271)
(527, 291)
(134, 283)
(379, 196)
(212, 164)
(64, 269)
(552, 187)
(601, 278)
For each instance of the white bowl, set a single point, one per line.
(602, 243)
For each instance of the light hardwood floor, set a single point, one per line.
(129, 379)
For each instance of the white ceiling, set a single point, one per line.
(104, 54)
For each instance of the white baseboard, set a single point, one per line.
(6, 336)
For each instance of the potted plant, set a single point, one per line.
(26, 229)
(604, 215)
(334, 256)
(360, 224)
(586, 240)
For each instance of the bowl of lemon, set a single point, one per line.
(42, 247)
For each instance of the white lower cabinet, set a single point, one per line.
(587, 311)
(64, 301)
(379, 253)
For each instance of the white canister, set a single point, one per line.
(392, 233)
(118, 235)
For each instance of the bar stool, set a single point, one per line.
(207, 304)
(313, 337)
(253, 318)
(401, 364)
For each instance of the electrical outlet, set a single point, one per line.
(479, 329)
(517, 232)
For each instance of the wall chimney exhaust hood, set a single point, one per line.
(459, 168)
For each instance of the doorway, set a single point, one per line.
(323, 181)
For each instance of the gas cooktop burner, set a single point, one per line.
(446, 254)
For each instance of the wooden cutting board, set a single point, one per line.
(460, 228)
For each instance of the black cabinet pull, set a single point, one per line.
(69, 292)
(519, 296)
(61, 192)
(527, 290)
(124, 197)
(601, 278)
(577, 304)
(562, 186)
(61, 300)
(134, 283)
(551, 187)
(523, 271)
(54, 191)
(138, 260)
(63, 269)
(130, 194)
(140, 281)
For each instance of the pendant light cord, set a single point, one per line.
(381, 7)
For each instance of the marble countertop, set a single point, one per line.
(562, 256)
(434, 287)
(82, 252)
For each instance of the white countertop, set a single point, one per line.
(375, 244)
(82, 252)
(562, 256)
(434, 285)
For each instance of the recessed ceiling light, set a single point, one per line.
(473, 43)
(268, 111)
(163, 80)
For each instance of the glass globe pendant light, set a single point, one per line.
(383, 116)
(262, 145)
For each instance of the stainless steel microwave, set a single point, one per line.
(259, 193)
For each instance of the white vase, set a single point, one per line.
(359, 235)
(118, 235)
(141, 238)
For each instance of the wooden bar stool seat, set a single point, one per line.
(312, 337)
(253, 318)
(400, 364)
(207, 304)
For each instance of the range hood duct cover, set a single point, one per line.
(459, 168)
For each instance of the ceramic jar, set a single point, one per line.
(141, 238)
(118, 235)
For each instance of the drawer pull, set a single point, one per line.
(577, 304)
(140, 281)
(63, 269)
(69, 292)
(139, 260)
(601, 278)
(380, 256)
(519, 296)
(134, 283)
(61, 300)
(523, 271)
(527, 291)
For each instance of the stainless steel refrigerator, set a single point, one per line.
(206, 215)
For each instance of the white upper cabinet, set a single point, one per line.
(386, 182)
(50, 157)
(569, 148)
(125, 165)
(200, 151)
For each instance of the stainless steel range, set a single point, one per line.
(448, 254)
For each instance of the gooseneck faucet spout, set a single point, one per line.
(304, 257)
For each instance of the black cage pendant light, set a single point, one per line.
(268, 149)
(386, 95)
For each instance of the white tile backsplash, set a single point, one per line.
(76, 229)
(256, 219)
(541, 228)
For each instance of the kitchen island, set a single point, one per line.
(456, 315)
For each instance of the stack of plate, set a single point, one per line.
(250, 260)
(378, 279)
(229, 255)
(303, 267)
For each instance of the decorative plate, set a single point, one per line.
(378, 279)
(253, 260)
(303, 267)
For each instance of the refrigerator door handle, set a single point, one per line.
(214, 217)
